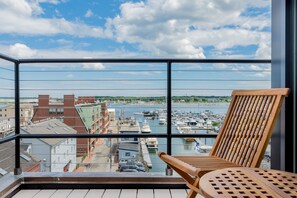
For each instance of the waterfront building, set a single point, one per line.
(129, 147)
(57, 154)
(6, 126)
(128, 151)
(26, 113)
(84, 116)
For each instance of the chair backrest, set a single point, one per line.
(248, 126)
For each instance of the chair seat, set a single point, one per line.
(206, 163)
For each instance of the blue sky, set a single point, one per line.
(135, 29)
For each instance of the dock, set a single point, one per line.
(145, 154)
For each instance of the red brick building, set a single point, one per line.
(83, 115)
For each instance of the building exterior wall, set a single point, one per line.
(66, 113)
(104, 118)
(64, 155)
(53, 158)
(26, 113)
(41, 150)
(85, 100)
(6, 126)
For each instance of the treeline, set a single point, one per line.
(162, 99)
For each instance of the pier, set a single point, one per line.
(145, 154)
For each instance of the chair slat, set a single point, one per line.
(223, 142)
(260, 103)
(244, 135)
(250, 147)
(274, 109)
(233, 151)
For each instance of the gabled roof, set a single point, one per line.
(51, 126)
(7, 153)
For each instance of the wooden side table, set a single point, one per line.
(249, 182)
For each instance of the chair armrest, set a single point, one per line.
(177, 164)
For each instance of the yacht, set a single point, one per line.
(145, 127)
(152, 143)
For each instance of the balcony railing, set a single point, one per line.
(174, 84)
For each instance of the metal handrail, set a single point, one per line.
(168, 61)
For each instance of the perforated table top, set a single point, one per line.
(249, 182)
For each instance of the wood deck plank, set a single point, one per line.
(145, 193)
(162, 193)
(61, 193)
(178, 193)
(105, 193)
(111, 193)
(45, 193)
(26, 194)
(128, 193)
(78, 193)
(95, 193)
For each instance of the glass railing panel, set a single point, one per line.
(7, 160)
(201, 94)
(105, 155)
(7, 99)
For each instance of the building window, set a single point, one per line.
(60, 110)
(52, 110)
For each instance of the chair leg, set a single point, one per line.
(193, 193)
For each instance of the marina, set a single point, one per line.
(183, 115)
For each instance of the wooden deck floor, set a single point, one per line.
(103, 193)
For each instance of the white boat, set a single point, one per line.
(145, 127)
(152, 143)
(162, 120)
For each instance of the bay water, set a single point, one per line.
(179, 145)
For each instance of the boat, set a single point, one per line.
(186, 130)
(203, 148)
(152, 143)
(162, 120)
(145, 127)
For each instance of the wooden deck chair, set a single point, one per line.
(242, 139)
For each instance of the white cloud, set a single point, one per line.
(89, 13)
(264, 50)
(23, 17)
(183, 28)
(21, 51)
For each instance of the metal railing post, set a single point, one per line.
(17, 169)
(169, 132)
